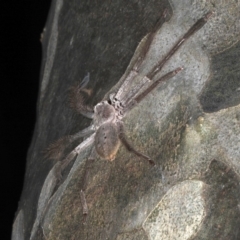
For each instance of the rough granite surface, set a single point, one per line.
(190, 126)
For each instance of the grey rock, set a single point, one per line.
(193, 191)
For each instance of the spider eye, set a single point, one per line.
(109, 101)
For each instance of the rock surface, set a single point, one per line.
(190, 126)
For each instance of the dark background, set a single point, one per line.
(21, 25)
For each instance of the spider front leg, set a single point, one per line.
(143, 50)
(76, 151)
(197, 26)
(156, 69)
(129, 147)
(56, 149)
(77, 100)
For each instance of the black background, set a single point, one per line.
(21, 25)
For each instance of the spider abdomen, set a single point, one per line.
(107, 141)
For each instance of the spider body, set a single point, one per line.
(106, 139)
(107, 130)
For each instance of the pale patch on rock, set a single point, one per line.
(179, 214)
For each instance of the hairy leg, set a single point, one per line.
(197, 26)
(129, 147)
(142, 95)
(148, 42)
(124, 88)
(77, 101)
(137, 98)
(56, 149)
(87, 142)
(84, 182)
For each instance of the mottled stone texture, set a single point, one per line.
(190, 126)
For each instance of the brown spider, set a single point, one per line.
(107, 129)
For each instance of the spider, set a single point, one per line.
(107, 129)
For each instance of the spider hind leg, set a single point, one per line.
(84, 181)
(192, 30)
(130, 148)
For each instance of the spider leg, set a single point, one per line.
(142, 95)
(143, 50)
(134, 92)
(85, 81)
(76, 151)
(84, 181)
(149, 40)
(77, 101)
(130, 148)
(137, 98)
(51, 186)
(86, 131)
(56, 149)
(195, 27)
